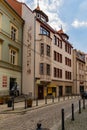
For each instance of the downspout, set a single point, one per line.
(22, 57)
(34, 53)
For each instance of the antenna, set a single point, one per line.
(61, 27)
(37, 3)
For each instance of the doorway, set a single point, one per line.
(60, 90)
(81, 89)
(40, 92)
(12, 82)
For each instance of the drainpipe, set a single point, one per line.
(22, 56)
(34, 52)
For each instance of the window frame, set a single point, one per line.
(42, 49)
(48, 50)
(14, 36)
(48, 69)
(13, 58)
(42, 69)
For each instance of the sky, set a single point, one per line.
(71, 15)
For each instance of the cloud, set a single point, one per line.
(51, 8)
(78, 24)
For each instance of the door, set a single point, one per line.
(12, 82)
(40, 92)
(81, 89)
(60, 90)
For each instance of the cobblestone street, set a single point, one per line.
(48, 116)
(80, 122)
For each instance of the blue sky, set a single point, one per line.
(71, 14)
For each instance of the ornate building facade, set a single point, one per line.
(10, 48)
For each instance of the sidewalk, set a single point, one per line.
(19, 107)
(80, 122)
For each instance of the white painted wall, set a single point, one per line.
(28, 78)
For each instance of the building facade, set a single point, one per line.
(10, 48)
(28, 46)
(79, 71)
(86, 71)
(53, 59)
(47, 55)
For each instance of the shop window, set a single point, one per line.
(68, 89)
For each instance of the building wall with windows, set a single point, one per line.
(86, 71)
(79, 71)
(53, 61)
(10, 47)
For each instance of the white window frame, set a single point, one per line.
(14, 36)
(13, 56)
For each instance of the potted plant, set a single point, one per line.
(29, 102)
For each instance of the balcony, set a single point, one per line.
(45, 78)
(45, 39)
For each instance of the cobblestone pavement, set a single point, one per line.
(49, 116)
(80, 122)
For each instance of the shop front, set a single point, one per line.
(51, 90)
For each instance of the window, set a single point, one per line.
(0, 20)
(0, 49)
(44, 31)
(48, 69)
(54, 55)
(41, 68)
(68, 89)
(13, 56)
(14, 32)
(54, 72)
(67, 61)
(42, 49)
(68, 75)
(57, 57)
(55, 40)
(67, 48)
(57, 72)
(59, 43)
(38, 15)
(48, 50)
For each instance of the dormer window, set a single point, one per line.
(43, 18)
(38, 15)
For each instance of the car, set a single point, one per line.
(84, 95)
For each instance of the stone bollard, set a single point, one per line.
(45, 100)
(52, 99)
(79, 106)
(63, 127)
(72, 112)
(39, 126)
(36, 102)
(83, 103)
